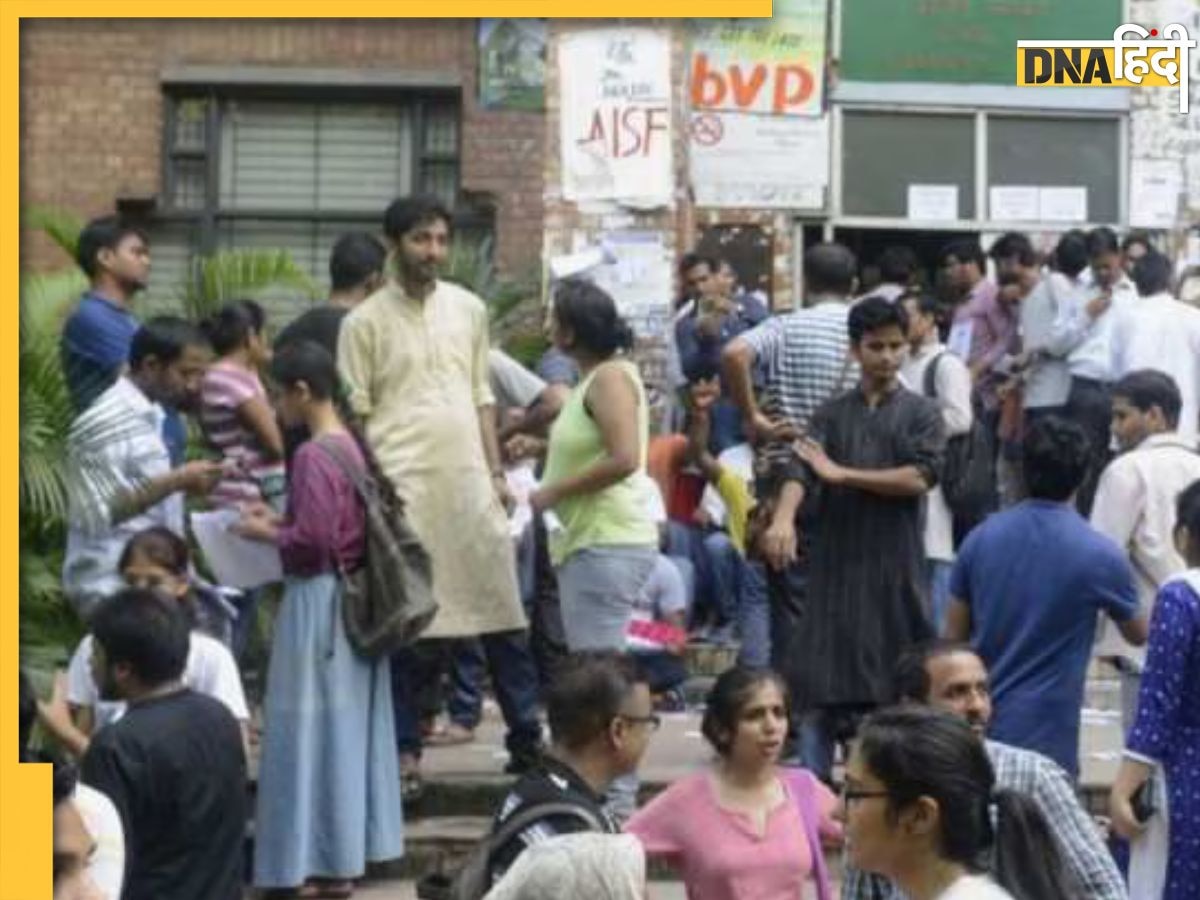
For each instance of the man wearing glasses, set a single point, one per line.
(949, 676)
(601, 719)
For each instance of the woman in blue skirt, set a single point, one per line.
(329, 782)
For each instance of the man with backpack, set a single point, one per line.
(935, 372)
(601, 720)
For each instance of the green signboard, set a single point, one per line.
(960, 41)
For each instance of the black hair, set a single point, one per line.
(829, 269)
(1101, 241)
(916, 752)
(927, 304)
(1147, 388)
(872, 314)
(912, 668)
(1136, 237)
(309, 362)
(104, 233)
(161, 546)
(689, 261)
(165, 338)
(733, 689)
(1187, 510)
(1014, 245)
(1055, 458)
(27, 709)
(145, 630)
(965, 250)
(65, 777)
(592, 316)
(1071, 253)
(587, 693)
(406, 213)
(898, 265)
(232, 325)
(356, 257)
(1152, 273)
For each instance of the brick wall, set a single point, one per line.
(92, 107)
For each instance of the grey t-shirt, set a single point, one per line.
(513, 385)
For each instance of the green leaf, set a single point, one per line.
(239, 275)
(62, 227)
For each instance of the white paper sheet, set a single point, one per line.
(235, 561)
(933, 202)
(1063, 204)
(1154, 189)
(1013, 203)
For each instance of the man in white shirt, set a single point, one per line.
(1083, 333)
(119, 476)
(1135, 501)
(935, 372)
(1161, 333)
(1047, 376)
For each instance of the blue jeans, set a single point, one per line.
(514, 679)
(753, 615)
(939, 591)
(716, 563)
(820, 729)
(468, 668)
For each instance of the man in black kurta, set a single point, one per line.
(865, 467)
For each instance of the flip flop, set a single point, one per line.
(451, 735)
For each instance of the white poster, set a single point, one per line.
(933, 202)
(1062, 204)
(638, 278)
(1154, 189)
(1013, 203)
(767, 162)
(616, 116)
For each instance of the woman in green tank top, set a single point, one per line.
(603, 539)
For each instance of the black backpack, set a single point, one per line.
(388, 601)
(473, 880)
(968, 479)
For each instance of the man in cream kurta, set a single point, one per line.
(414, 357)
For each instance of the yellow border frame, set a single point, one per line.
(25, 814)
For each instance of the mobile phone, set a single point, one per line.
(1142, 801)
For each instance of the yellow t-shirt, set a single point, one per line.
(738, 502)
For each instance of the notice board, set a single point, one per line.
(960, 41)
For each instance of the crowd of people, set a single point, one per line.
(920, 511)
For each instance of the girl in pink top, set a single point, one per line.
(744, 829)
(235, 414)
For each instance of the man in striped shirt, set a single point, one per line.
(807, 362)
(120, 479)
(950, 676)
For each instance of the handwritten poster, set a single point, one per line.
(616, 131)
(638, 277)
(772, 66)
(767, 162)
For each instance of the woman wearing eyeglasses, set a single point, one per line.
(920, 807)
(744, 828)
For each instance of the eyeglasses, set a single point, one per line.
(849, 795)
(652, 722)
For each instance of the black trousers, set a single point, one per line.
(1090, 406)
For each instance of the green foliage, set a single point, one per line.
(240, 274)
(61, 227)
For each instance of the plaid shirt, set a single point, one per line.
(806, 357)
(1040, 779)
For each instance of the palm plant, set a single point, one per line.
(238, 274)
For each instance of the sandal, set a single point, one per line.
(412, 786)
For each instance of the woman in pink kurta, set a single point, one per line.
(744, 829)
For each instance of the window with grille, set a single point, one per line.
(263, 172)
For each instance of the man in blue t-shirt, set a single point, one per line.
(1026, 590)
(115, 256)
